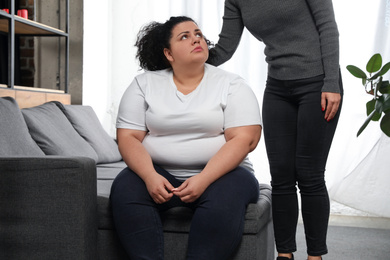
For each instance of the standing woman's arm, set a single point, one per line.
(230, 35)
(324, 18)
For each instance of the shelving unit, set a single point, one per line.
(27, 27)
(13, 25)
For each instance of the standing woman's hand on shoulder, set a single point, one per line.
(330, 103)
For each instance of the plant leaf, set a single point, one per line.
(355, 71)
(384, 69)
(385, 124)
(384, 88)
(385, 99)
(371, 107)
(382, 103)
(374, 64)
(382, 72)
(368, 120)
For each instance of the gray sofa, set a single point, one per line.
(56, 168)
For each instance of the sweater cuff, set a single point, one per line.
(333, 86)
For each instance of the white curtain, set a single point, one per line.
(360, 165)
(358, 168)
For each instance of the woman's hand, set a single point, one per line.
(159, 188)
(330, 103)
(192, 188)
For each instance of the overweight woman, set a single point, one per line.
(184, 129)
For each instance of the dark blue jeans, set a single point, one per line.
(298, 139)
(217, 223)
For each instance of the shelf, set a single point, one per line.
(47, 90)
(14, 26)
(30, 97)
(29, 27)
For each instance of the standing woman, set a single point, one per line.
(184, 129)
(301, 106)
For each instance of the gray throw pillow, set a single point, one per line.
(15, 140)
(53, 132)
(87, 124)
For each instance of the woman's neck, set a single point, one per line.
(187, 80)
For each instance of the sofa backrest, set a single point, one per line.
(53, 132)
(87, 124)
(54, 129)
(15, 139)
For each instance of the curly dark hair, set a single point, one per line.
(153, 38)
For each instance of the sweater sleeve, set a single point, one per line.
(230, 35)
(324, 18)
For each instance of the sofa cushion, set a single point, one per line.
(106, 174)
(15, 140)
(53, 132)
(87, 124)
(108, 171)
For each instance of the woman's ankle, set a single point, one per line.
(314, 257)
(286, 255)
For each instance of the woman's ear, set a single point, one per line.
(168, 54)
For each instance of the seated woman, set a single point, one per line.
(184, 129)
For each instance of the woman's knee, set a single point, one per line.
(124, 178)
(238, 185)
(312, 187)
(128, 186)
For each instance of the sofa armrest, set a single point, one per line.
(48, 208)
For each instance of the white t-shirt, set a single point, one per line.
(185, 131)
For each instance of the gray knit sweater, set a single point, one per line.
(300, 36)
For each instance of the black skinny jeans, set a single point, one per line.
(216, 227)
(298, 139)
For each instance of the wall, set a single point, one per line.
(96, 58)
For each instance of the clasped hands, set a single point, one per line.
(161, 190)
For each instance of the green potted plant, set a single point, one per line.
(378, 108)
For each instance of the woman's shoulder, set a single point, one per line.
(221, 75)
(148, 77)
(158, 74)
